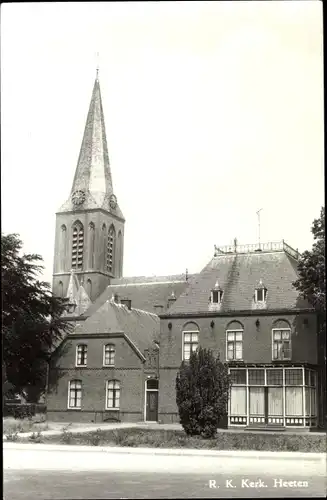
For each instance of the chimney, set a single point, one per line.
(158, 308)
(116, 298)
(127, 303)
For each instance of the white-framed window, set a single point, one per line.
(260, 293)
(281, 344)
(109, 355)
(113, 395)
(81, 355)
(234, 345)
(216, 296)
(190, 343)
(75, 394)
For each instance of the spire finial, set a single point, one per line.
(97, 68)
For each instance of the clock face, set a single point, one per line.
(78, 197)
(113, 201)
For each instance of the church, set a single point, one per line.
(130, 335)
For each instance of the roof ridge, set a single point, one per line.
(120, 305)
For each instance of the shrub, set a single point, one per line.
(13, 436)
(96, 437)
(66, 437)
(36, 438)
(202, 388)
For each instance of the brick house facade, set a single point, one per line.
(130, 335)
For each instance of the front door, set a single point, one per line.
(266, 405)
(151, 406)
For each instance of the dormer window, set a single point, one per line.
(216, 294)
(260, 293)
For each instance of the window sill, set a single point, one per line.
(112, 409)
(72, 408)
(281, 360)
(80, 366)
(108, 366)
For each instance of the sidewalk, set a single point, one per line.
(57, 428)
(75, 429)
(276, 455)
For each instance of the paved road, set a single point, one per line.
(43, 485)
(42, 472)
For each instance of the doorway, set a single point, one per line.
(151, 400)
(266, 405)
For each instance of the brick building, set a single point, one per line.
(131, 334)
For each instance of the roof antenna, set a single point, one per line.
(258, 214)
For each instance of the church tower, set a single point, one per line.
(89, 236)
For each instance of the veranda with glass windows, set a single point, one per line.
(283, 396)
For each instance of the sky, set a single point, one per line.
(213, 110)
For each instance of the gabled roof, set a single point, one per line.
(144, 292)
(77, 296)
(141, 327)
(238, 274)
(93, 175)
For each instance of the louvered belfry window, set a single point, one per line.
(78, 245)
(111, 250)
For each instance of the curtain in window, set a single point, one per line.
(257, 401)
(294, 401)
(238, 401)
(75, 394)
(275, 401)
(307, 401)
(313, 402)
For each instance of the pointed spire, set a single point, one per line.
(92, 185)
(93, 170)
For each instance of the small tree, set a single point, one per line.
(312, 286)
(32, 322)
(202, 390)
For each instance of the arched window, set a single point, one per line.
(104, 246)
(75, 394)
(78, 245)
(190, 339)
(109, 355)
(281, 341)
(63, 247)
(91, 245)
(89, 288)
(119, 255)
(60, 289)
(234, 341)
(113, 395)
(111, 250)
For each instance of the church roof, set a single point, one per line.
(93, 182)
(238, 275)
(141, 327)
(144, 292)
(77, 296)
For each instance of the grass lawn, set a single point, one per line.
(34, 424)
(136, 437)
